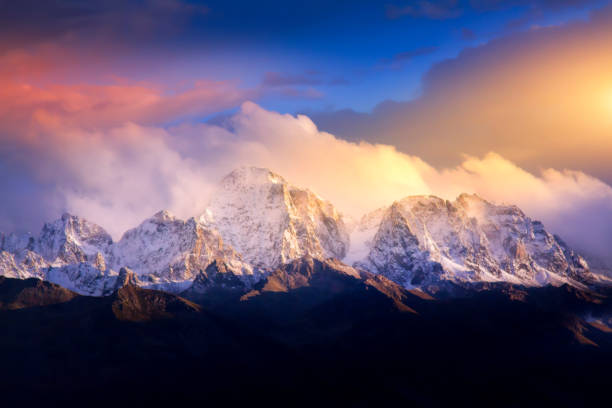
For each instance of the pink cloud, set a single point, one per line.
(28, 106)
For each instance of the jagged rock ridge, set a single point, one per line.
(271, 222)
(168, 253)
(70, 251)
(163, 252)
(257, 222)
(425, 240)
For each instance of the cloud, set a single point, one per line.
(359, 177)
(292, 81)
(571, 203)
(118, 153)
(29, 22)
(120, 176)
(28, 109)
(541, 98)
(274, 79)
(74, 146)
(107, 105)
(409, 55)
(399, 59)
(449, 9)
(302, 93)
(117, 175)
(437, 10)
(298, 86)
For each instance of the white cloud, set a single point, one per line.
(117, 177)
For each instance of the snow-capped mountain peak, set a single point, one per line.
(271, 222)
(69, 251)
(256, 222)
(425, 240)
(163, 215)
(72, 239)
(246, 176)
(169, 252)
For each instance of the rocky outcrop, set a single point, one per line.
(257, 226)
(271, 222)
(168, 253)
(425, 240)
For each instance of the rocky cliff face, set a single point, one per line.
(257, 223)
(168, 252)
(164, 253)
(219, 276)
(271, 222)
(71, 240)
(422, 241)
(70, 251)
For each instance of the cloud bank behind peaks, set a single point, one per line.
(358, 177)
(118, 175)
(541, 98)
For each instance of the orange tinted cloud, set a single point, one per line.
(117, 174)
(540, 98)
(106, 152)
(70, 141)
(30, 108)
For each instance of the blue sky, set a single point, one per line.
(332, 55)
(348, 56)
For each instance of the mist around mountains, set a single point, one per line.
(257, 221)
(271, 296)
(423, 217)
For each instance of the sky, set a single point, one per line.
(113, 110)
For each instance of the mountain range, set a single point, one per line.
(256, 222)
(312, 332)
(272, 297)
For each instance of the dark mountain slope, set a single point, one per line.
(18, 294)
(314, 333)
(285, 304)
(136, 343)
